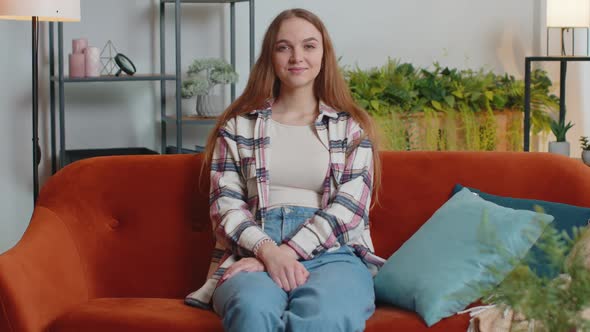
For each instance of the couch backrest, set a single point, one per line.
(141, 223)
(416, 184)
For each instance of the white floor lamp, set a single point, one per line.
(566, 15)
(36, 11)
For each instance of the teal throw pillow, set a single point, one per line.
(445, 257)
(566, 218)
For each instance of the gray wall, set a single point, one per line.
(462, 33)
(16, 200)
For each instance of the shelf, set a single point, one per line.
(75, 155)
(173, 150)
(193, 119)
(204, 1)
(59, 85)
(558, 58)
(122, 78)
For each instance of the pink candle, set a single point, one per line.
(77, 65)
(78, 45)
(92, 61)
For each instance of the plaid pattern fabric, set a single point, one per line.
(240, 188)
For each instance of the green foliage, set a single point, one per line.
(401, 88)
(585, 143)
(487, 132)
(560, 129)
(204, 74)
(195, 87)
(514, 134)
(471, 128)
(554, 302)
(393, 131)
(449, 130)
(432, 131)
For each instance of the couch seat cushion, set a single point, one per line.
(172, 315)
(136, 314)
(389, 318)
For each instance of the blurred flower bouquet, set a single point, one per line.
(203, 75)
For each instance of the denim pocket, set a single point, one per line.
(273, 226)
(299, 212)
(281, 222)
(294, 217)
(274, 230)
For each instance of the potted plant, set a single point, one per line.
(203, 75)
(560, 145)
(585, 145)
(529, 301)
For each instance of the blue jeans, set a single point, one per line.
(338, 295)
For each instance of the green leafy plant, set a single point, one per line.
(560, 129)
(558, 301)
(585, 143)
(204, 74)
(398, 94)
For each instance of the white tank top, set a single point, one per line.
(298, 165)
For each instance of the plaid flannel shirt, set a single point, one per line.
(239, 193)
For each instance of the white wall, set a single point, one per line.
(461, 33)
(458, 33)
(16, 199)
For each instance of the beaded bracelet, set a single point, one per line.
(260, 243)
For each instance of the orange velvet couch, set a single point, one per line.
(115, 243)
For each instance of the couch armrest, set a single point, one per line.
(41, 277)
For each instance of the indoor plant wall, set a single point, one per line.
(450, 109)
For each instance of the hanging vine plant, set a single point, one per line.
(450, 109)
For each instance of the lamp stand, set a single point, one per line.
(563, 31)
(36, 148)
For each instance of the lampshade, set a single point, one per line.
(568, 13)
(46, 10)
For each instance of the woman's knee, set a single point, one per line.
(248, 291)
(335, 318)
(338, 296)
(315, 310)
(248, 302)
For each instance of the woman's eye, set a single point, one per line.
(310, 46)
(282, 48)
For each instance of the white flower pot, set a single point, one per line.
(209, 105)
(188, 106)
(562, 148)
(586, 157)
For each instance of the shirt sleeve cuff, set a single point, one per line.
(251, 236)
(302, 245)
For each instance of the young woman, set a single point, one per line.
(293, 165)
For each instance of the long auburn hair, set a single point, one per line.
(329, 86)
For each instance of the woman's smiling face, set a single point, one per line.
(297, 54)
